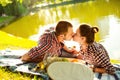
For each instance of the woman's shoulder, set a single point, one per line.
(97, 44)
(95, 47)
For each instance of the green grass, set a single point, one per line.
(7, 75)
(3, 19)
(13, 42)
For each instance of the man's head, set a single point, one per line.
(64, 30)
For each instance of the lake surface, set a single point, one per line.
(105, 14)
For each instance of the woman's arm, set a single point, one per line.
(104, 62)
(101, 59)
(99, 70)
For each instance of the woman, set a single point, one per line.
(92, 52)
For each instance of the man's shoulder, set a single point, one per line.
(48, 35)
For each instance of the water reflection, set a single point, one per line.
(102, 13)
(24, 27)
(111, 41)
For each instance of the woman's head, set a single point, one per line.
(64, 30)
(85, 34)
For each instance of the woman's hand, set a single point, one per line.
(99, 70)
(79, 56)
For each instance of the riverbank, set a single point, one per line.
(5, 20)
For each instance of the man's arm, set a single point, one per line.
(45, 45)
(25, 57)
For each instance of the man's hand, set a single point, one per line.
(25, 57)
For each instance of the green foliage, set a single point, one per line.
(20, 1)
(20, 7)
(15, 9)
(12, 7)
(6, 2)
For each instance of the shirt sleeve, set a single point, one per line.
(104, 50)
(103, 60)
(45, 44)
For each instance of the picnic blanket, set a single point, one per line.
(11, 60)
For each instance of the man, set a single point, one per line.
(50, 44)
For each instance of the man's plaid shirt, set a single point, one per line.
(48, 45)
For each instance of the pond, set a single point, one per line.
(105, 14)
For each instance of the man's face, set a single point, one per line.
(69, 34)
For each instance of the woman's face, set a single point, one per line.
(77, 37)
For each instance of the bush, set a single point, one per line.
(13, 8)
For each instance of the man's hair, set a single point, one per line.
(62, 27)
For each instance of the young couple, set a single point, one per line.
(51, 43)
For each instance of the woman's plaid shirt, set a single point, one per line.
(97, 56)
(48, 45)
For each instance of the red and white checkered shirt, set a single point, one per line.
(97, 56)
(48, 46)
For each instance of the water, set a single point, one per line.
(105, 14)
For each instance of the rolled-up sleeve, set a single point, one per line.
(103, 60)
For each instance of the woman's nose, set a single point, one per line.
(73, 35)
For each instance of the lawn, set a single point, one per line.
(7, 75)
(13, 42)
(4, 20)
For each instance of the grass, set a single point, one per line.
(4, 20)
(115, 61)
(10, 41)
(7, 75)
